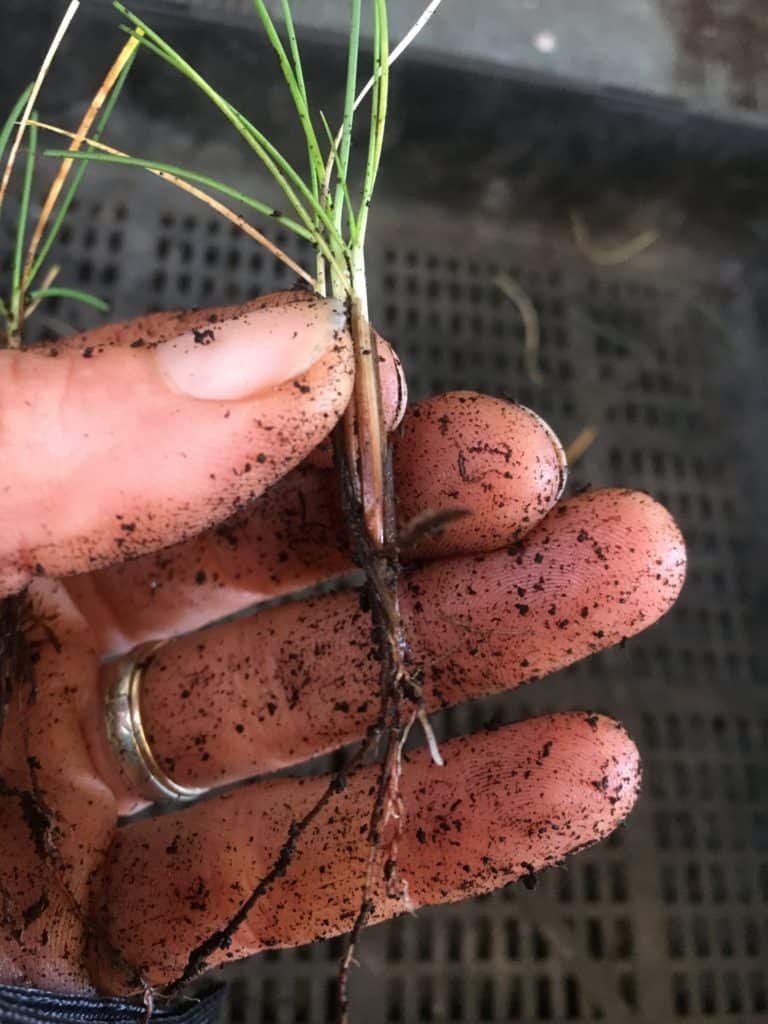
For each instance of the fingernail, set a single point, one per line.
(254, 351)
(402, 393)
(562, 459)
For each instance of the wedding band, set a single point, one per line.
(128, 740)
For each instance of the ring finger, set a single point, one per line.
(294, 681)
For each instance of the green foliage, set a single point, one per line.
(22, 296)
(325, 211)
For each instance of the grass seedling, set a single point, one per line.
(324, 209)
(31, 251)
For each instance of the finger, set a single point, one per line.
(493, 458)
(154, 329)
(111, 451)
(461, 450)
(507, 804)
(294, 681)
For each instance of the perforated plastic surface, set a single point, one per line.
(664, 355)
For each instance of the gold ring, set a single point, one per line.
(127, 738)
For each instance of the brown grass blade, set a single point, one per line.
(81, 134)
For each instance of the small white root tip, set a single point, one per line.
(434, 749)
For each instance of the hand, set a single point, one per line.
(121, 451)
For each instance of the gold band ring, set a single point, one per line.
(127, 738)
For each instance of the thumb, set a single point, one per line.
(111, 450)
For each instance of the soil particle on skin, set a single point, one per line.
(33, 912)
(203, 336)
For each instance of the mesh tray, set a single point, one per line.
(669, 918)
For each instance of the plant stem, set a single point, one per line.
(368, 447)
(345, 143)
(16, 324)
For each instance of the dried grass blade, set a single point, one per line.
(125, 55)
(37, 85)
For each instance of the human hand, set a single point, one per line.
(121, 451)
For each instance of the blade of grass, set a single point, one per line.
(295, 83)
(293, 43)
(70, 293)
(298, 67)
(179, 172)
(66, 203)
(37, 85)
(605, 257)
(398, 51)
(124, 58)
(17, 292)
(580, 445)
(5, 132)
(284, 173)
(315, 170)
(185, 186)
(515, 292)
(378, 119)
(326, 236)
(267, 153)
(344, 147)
(335, 154)
(402, 46)
(49, 277)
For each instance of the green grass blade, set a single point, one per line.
(5, 131)
(295, 83)
(320, 213)
(353, 59)
(293, 43)
(298, 68)
(17, 299)
(193, 176)
(378, 117)
(342, 181)
(71, 293)
(281, 170)
(66, 202)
